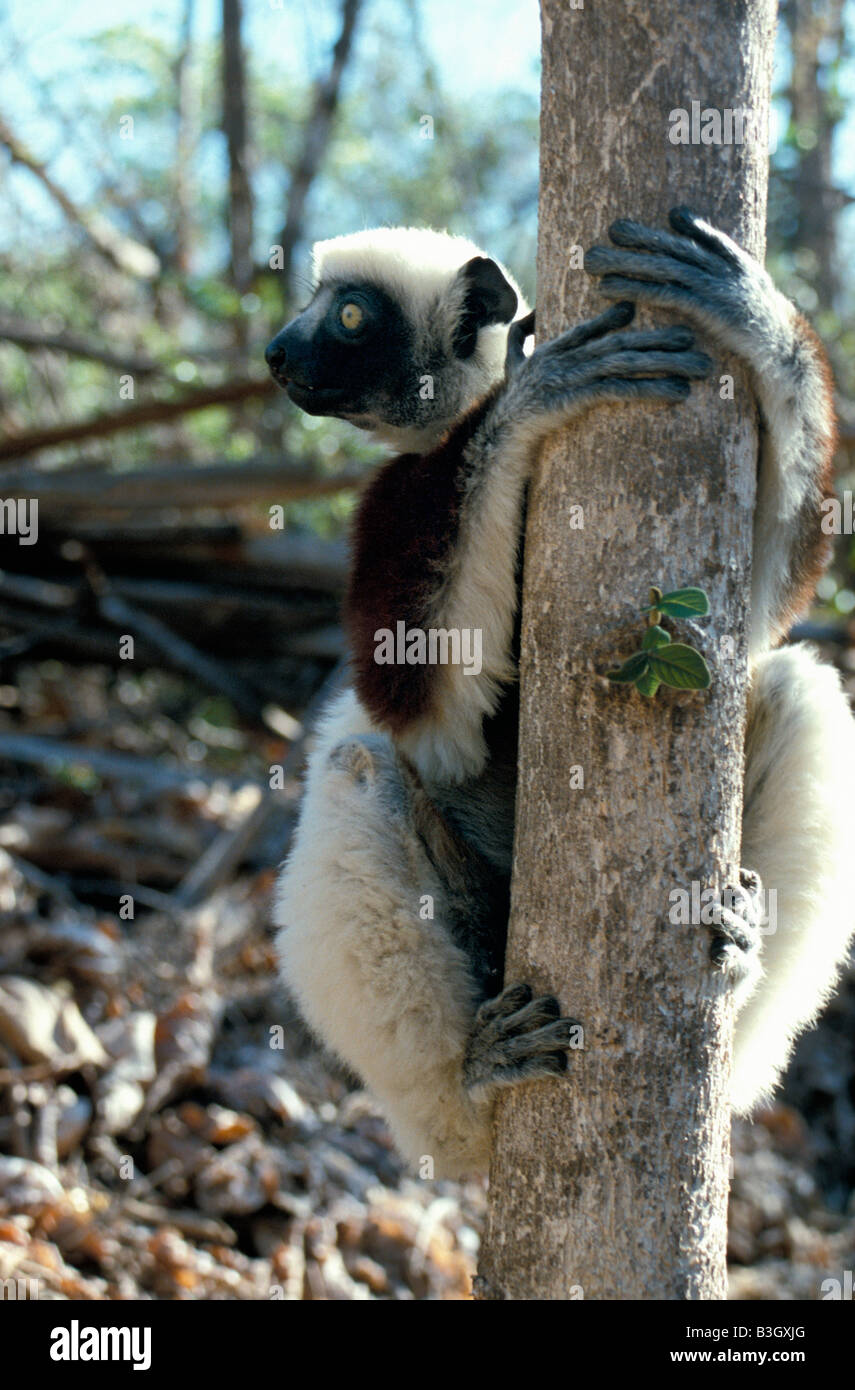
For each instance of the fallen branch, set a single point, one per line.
(54, 754)
(70, 491)
(32, 335)
(133, 417)
(44, 1071)
(189, 1223)
(180, 653)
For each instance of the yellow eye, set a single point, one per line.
(350, 315)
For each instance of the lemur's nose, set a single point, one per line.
(275, 356)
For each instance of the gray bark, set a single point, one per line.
(613, 1183)
(316, 139)
(236, 130)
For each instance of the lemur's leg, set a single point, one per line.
(437, 536)
(388, 988)
(704, 275)
(797, 833)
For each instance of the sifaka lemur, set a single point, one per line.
(393, 902)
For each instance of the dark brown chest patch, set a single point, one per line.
(405, 533)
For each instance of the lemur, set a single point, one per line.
(393, 903)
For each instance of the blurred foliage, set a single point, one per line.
(190, 319)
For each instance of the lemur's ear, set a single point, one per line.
(487, 298)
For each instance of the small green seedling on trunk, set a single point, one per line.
(661, 661)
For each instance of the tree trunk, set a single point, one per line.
(315, 141)
(817, 40)
(186, 137)
(613, 1184)
(235, 128)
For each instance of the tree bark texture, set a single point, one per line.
(612, 1184)
(236, 130)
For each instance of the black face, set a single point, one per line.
(347, 352)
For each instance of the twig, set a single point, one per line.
(133, 417)
(223, 854)
(316, 138)
(55, 754)
(70, 491)
(122, 251)
(46, 883)
(181, 653)
(43, 1071)
(190, 1223)
(32, 335)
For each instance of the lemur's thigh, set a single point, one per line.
(366, 951)
(797, 831)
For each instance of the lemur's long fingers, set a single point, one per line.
(666, 269)
(519, 330)
(531, 1069)
(668, 296)
(544, 1009)
(694, 365)
(689, 223)
(635, 235)
(737, 921)
(654, 388)
(616, 317)
(541, 1040)
(675, 338)
(512, 999)
(732, 928)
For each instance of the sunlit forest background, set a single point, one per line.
(167, 1128)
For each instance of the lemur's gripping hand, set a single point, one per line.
(592, 363)
(700, 273)
(519, 330)
(696, 270)
(736, 937)
(516, 1038)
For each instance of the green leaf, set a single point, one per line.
(647, 683)
(680, 666)
(655, 637)
(684, 603)
(632, 668)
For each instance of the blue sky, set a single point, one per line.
(494, 44)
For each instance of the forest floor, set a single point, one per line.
(168, 1130)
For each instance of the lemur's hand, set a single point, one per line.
(736, 933)
(519, 330)
(591, 363)
(698, 271)
(516, 1038)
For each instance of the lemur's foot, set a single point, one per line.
(517, 1038)
(374, 772)
(694, 269)
(736, 927)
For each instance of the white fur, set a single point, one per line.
(417, 267)
(390, 993)
(480, 591)
(797, 834)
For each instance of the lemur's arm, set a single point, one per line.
(704, 275)
(437, 535)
